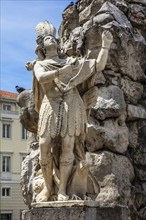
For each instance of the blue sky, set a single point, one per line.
(17, 42)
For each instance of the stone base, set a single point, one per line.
(68, 203)
(75, 212)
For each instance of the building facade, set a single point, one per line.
(13, 149)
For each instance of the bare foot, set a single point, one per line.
(53, 198)
(62, 197)
(43, 196)
(75, 197)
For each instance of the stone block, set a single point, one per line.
(132, 90)
(136, 112)
(110, 103)
(77, 213)
(113, 135)
(114, 174)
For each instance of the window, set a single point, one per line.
(24, 133)
(6, 129)
(7, 107)
(6, 191)
(7, 216)
(6, 164)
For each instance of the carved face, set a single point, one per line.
(50, 42)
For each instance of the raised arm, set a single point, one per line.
(101, 61)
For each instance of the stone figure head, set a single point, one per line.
(46, 38)
(50, 42)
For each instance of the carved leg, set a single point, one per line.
(66, 164)
(46, 162)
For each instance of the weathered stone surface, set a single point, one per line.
(136, 112)
(137, 152)
(113, 135)
(112, 78)
(90, 11)
(139, 157)
(125, 54)
(82, 4)
(70, 21)
(69, 203)
(118, 15)
(142, 2)
(137, 144)
(105, 108)
(142, 101)
(141, 173)
(74, 43)
(132, 90)
(114, 174)
(80, 213)
(100, 79)
(133, 135)
(126, 69)
(110, 103)
(137, 14)
(139, 201)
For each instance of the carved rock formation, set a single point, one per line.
(116, 139)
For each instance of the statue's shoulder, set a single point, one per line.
(39, 63)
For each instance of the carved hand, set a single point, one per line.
(107, 39)
(30, 65)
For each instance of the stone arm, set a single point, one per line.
(47, 76)
(101, 61)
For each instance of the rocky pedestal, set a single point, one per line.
(80, 210)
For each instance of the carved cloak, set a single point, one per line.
(65, 114)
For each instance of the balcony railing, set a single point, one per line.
(9, 112)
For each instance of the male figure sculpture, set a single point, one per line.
(62, 111)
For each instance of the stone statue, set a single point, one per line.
(109, 158)
(62, 108)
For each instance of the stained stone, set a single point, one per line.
(135, 112)
(77, 213)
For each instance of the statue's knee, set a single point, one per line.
(66, 160)
(67, 149)
(45, 161)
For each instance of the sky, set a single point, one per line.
(17, 39)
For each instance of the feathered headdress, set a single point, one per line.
(45, 28)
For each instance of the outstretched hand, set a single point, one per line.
(30, 65)
(107, 39)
